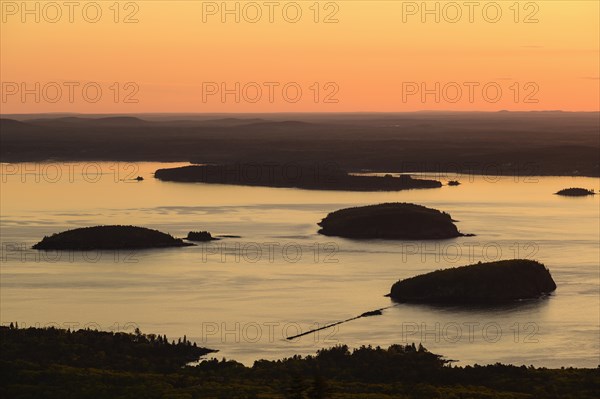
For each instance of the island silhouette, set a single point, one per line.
(390, 221)
(575, 192)
(311, 177)
(200, 236)
(478, 284)
(109, 237)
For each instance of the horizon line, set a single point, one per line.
(297, 112)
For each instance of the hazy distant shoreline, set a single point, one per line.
(479, 143)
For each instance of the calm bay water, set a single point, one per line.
(244, 295)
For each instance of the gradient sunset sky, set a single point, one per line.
(367, 60)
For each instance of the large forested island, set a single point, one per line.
(312, 177)
(109, 237)
(390, 221)
(53, 363)
(478, 284)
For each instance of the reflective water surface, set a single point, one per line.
(243, 295)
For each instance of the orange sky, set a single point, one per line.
(378, 56)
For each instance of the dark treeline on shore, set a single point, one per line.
(54, 363)
(500, 143)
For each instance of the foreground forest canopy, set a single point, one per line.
(54, 363)
(493, 143)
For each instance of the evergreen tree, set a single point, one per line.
(296, 388)
(318, 389)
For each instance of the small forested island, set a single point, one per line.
(109, 237)
(56, 363)
(200, 236)
(311, 177)
(575, 192)
(390, 221)
(478, 284)
(454, 183)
